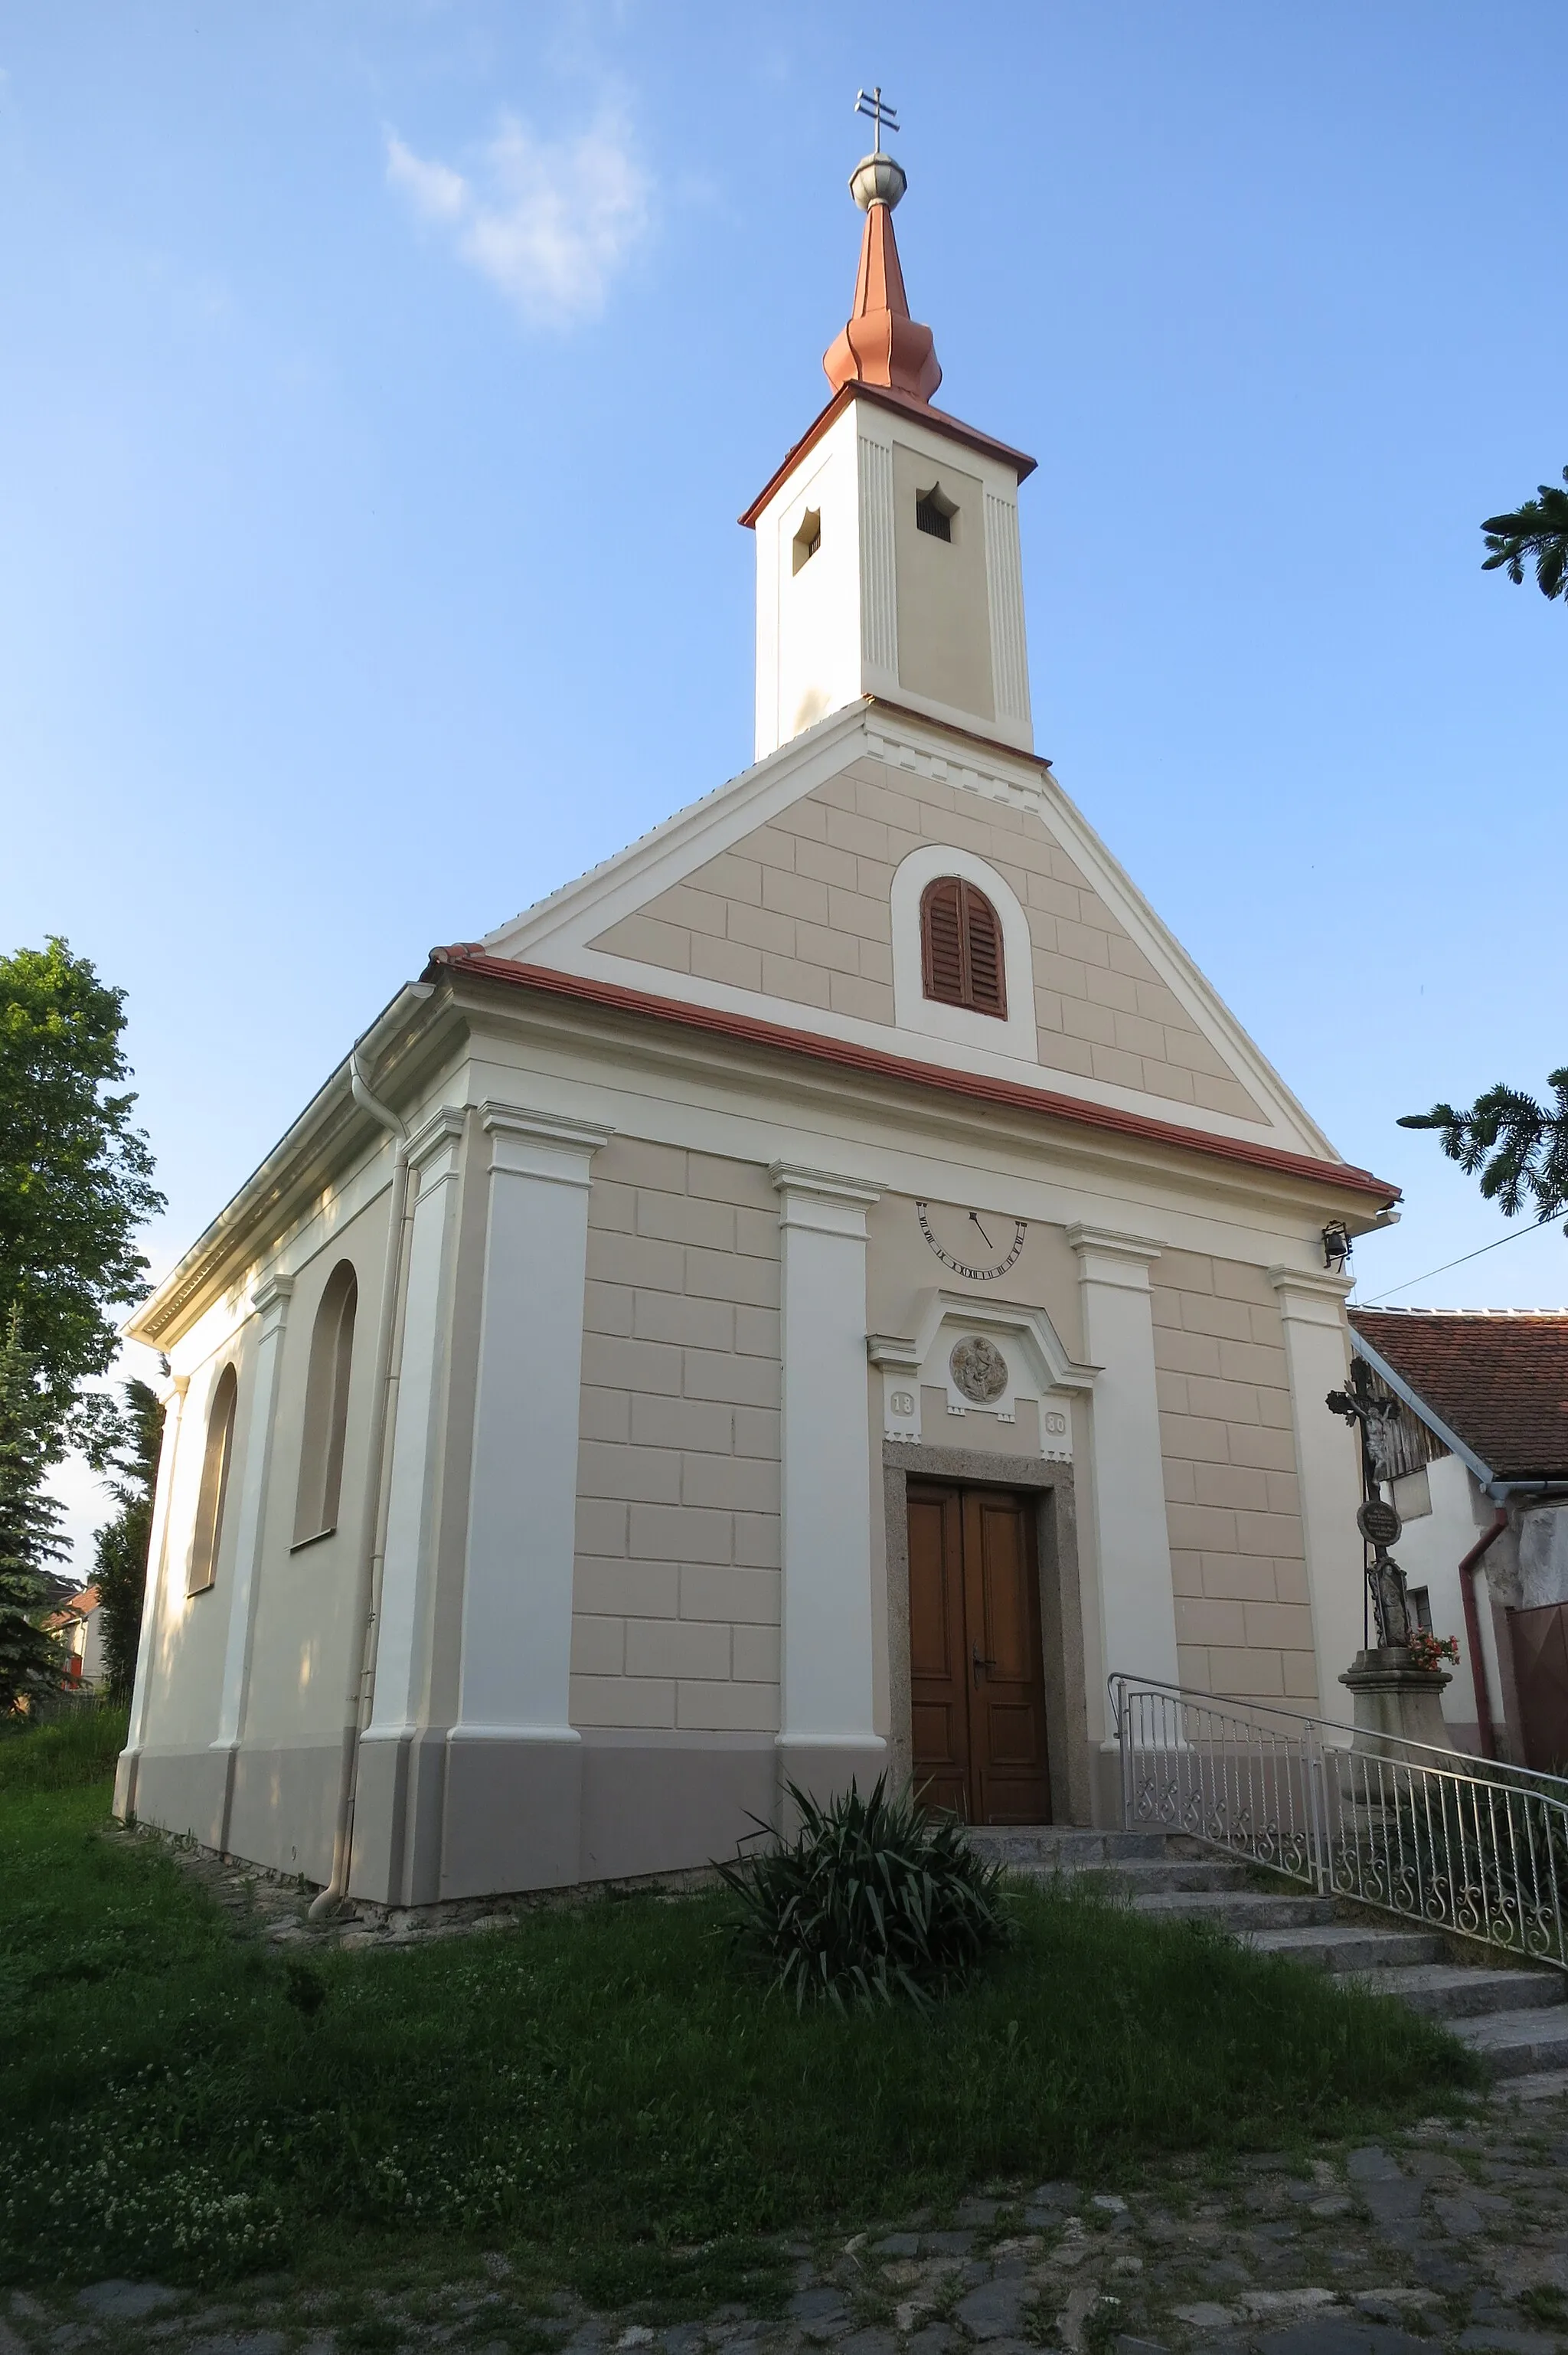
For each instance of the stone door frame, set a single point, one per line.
(1060, 1605)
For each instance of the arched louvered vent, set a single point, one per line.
(960, 948)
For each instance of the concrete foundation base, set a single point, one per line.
(650, 1807)
(281, 1811)
(441, 1817)
(513, 1814)
(822, 1768)
(183, 1791)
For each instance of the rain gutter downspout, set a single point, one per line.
(367, 1585)
(1486, 1729)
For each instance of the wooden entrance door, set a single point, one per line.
(977, 1674)
(1541, 1677)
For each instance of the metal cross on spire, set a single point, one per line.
(880, 111)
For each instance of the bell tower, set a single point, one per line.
(888, 551)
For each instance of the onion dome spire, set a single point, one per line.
(881, 343)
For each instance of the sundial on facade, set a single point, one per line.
(978, 1244)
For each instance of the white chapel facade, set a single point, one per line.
(814, 1297)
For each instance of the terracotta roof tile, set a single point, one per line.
(1497, 1378)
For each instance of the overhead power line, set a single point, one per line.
(1534, 1228)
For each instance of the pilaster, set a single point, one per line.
(1317, 1358)
(417, 1421)
(513, 1771)
(172, 1398)
(1127, 1476)
(828, 1729)
(878, 603)
(1004, 588)
(269, 1303)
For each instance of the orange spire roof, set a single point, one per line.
(881, 343)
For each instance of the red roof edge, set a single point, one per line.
(885, 396)
(463, 958)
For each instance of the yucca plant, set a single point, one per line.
(874, 1899)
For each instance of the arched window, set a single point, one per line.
(960, 947)
(214, 1482)
(326, 1407)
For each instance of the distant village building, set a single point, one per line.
(815, 1296)
(78, 1622)
(1480, 1449)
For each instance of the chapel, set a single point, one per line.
(816, 1296)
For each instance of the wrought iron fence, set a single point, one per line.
(1466, 1845)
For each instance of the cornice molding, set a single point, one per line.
(975, 1313)
(893, 1353)
(976, 765)
(1314, 1283)
(1108, 1243)
(287, 1183)
(269, 1299)
(825, 1185)
(549, 1148)
(444, 1129)
(544, 1127)
(821, 1048)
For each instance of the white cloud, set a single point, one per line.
(434, 189)
(549, 222)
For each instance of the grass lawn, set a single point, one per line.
(602, 2092)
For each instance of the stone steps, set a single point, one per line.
(1238, 1909)
(1145, 1876)
(1068, 1848)
(1516, 2021)
(1352, 1948)
(1518, 2043)
(1540, 2086)
(1463, 1990)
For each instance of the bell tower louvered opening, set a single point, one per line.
(960, 948)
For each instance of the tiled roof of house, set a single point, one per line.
(80, 1604)
(1497, 1378)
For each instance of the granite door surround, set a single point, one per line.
(1073, 1778)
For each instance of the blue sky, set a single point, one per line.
(380, 384)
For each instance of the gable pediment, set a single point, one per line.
(793, 895)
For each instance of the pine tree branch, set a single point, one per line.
(1518, 1148)
(1538, 532)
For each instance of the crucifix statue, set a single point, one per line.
(880, 111)
(1379, 1523)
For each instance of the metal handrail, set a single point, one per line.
(1472, 1845)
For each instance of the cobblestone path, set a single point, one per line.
(1454, 2236)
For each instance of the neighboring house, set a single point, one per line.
(818, 1293)
(80, 1620)
(1481, 1464)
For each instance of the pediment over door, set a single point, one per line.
(985, 1358)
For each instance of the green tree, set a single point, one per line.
(1519, 1146)
(1537, 530)
(76, 1179)
(120, 1571)
(32, 1661)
